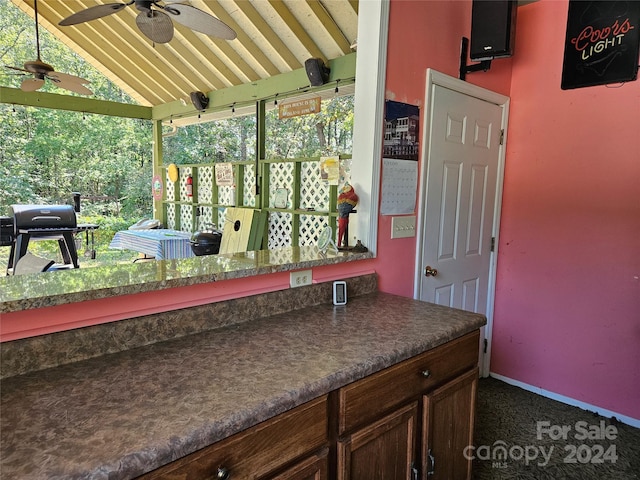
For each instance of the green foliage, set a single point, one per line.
(227, 140)
(45, 155)
(328, 132)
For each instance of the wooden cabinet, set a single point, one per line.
(382, 450)
(258, 451)
(377, 426)
(315, 467)
(448, 419)
(388, 426)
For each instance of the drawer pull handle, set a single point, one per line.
(426, 373)
(223, 474)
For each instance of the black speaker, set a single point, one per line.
(199, 100)
(317, 71)
(493, 29)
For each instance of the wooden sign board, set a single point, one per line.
(602, 42)
(299, 107)
(224, 174)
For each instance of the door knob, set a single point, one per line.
(430, 272)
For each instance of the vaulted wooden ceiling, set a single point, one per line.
(273, 37)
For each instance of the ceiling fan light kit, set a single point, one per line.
(155, 19)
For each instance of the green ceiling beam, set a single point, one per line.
(15, 96)
(343, 69)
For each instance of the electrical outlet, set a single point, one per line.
(300, 278)
(403, 227)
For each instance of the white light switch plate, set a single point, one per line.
(403, 227)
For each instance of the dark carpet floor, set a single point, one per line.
(521, 435)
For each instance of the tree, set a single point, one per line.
(45, 155)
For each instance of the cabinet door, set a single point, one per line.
(312, 468)
(449, 416)
(383, 450)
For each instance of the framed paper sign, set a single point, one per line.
(224, 174)
(601, 44)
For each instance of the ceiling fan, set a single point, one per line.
(41, 71)
(155, 19)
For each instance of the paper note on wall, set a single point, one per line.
(399, 186)
(330, 170)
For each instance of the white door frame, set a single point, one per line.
(436, 78)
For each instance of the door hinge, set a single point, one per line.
(502, 136)
(493, 244)
(486, 343)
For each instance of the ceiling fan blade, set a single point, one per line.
(72, 86)
(200, 21)
(93, 13)
(18, 69)
(70, 82)
(31, 84)
(156, 26)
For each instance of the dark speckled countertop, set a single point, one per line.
(121, 415)
(23, 292)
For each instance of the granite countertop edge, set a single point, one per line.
(195, 271)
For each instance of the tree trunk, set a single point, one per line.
(321, 137)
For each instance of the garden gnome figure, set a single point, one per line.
(347, 201)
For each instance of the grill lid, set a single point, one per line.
(43, 216)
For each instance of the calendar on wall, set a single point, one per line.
(399, 186)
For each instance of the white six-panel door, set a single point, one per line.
(460, 200)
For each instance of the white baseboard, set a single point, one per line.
(634, 422)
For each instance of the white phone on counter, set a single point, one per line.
(340, 292)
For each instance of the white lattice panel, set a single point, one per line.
(170, 190)
(205, 184)
(345, 171)
(310, 228)
(171, 216)
(222, 212)
(226, 195)
(186, 218)
(280, 229)
(249, 197)
(281, 176)
(314, 193)
(206, 217)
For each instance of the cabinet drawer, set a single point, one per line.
(366, 399)
(257, 451)
(314, 467)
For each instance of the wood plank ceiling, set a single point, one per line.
(273, 37)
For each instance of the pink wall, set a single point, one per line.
(30, 323)
(567, 310)
(423, 34)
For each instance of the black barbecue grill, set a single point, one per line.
(44, 222)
